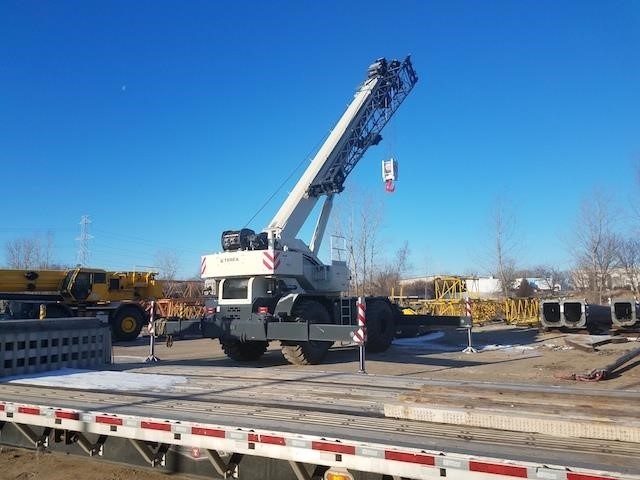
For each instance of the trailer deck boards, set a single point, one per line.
(344, 412)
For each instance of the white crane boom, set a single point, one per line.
(387, 85)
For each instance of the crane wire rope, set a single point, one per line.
(288, 178)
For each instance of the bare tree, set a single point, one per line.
(167, 262)
(388, 277)
(595, 246)
(629, 260)
(360, 223)
(555, 277)
(34, 252)
(504, 245)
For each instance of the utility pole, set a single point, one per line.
(83, 239)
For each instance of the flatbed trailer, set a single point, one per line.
(280, 423)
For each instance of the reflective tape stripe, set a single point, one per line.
(29, 410)
(208, 432)
(498, 469)
(583, 476)
(164, 427)
(108, 420)
(67, 415)
(333, 447)
(270, 439)
(370, 452)
(299, 443)
(418, 458)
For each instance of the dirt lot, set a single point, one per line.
(503, 354)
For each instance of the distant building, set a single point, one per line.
(483, 287)
(541, 284)
(617, 278)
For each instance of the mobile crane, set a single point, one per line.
(117, 296)
(271, 285)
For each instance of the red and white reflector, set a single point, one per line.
(360, 335)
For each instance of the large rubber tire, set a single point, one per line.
(381, 326)
(314, 351)
(126, 323)
(243, 351)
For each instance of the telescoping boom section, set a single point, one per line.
(272, 285)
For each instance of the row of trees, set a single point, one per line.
(598, 251)
(37, 253)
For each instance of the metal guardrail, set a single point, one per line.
(32, 346)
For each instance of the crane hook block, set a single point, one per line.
(389, 170)
(389, 174)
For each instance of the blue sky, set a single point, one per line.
(168, 122)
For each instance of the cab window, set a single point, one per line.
(235, 288)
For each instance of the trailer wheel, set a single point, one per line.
(311, 352)
(126, 323)
(380, 326)
(243, 351)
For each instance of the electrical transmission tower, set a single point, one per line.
(83, 239)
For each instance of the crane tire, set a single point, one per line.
(380, 326)
(126, 323)
(311, 352)
(243, 351)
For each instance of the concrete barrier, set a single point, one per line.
(624, 313)
(550, 316)
(574, 314)
(31, 346)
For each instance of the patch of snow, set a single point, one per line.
(100, 380)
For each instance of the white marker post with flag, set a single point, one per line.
(360, 335)
(152, 333)
(467, 321)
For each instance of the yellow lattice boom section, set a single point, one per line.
(522, 311)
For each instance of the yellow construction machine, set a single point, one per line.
(117, 297)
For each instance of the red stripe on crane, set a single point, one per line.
(208, 432)
(108, 420)
(29, 410)
(164, 427)
(3, 407)
(410, 457)
(334, 447)
(498, 469)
